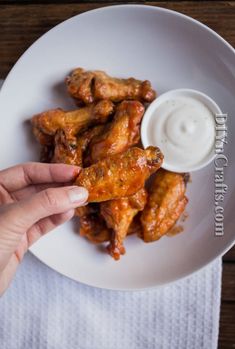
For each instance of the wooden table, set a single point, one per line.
(22, 22)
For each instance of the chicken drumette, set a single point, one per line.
(118, 215)
(47, 123)
(91, 86)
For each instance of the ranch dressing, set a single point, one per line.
(183, 128)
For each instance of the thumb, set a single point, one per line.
(17, 218)
(20, 216)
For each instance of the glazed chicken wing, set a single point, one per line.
(69, 149)
(47, 153)
(66, 150)
(43, 138)
(120, 134)
(118, 215)
(91, 86)
(166, 202)
(120, 175)
(48, 122)
(92, 224)
(135, 226)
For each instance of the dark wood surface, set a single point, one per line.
(22, 22)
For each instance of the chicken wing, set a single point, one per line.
(135, 226)
(120, 134)
(42, 138)
(47, 153)
(66, 150)
(92, 224)
(118, 215)
(165, 204)
(69, 149)
(91, 86)
(120, 175)
(74, 121)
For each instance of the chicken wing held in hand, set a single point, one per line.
(118, 215)
(91, 86)
(120, 175)
(120, 134)
(166, 202)
(74, 121)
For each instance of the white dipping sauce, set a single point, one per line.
(184, 129)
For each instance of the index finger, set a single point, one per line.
(20, 176)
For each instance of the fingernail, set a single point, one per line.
(78, 195)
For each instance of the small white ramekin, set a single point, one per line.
(210, 104)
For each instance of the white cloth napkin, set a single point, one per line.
(45, 310)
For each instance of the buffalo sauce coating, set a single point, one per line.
(87, 87)
(119, 175)
(166, 203)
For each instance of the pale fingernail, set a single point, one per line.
(78, 195)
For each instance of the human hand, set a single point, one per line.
(32, 204)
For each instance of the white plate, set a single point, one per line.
(171, 50)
